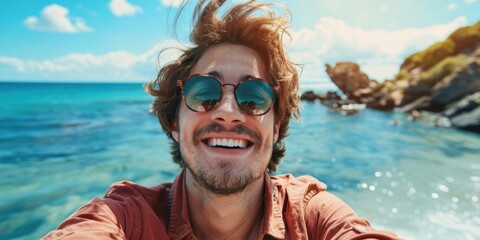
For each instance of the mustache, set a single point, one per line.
(217, 128)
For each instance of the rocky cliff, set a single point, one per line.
(444, 79)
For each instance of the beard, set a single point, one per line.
(225, 181)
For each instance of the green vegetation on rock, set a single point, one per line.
(466, 38)
(463, 40)
(430, 56)
(444, 68)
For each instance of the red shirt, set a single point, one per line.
(294, 208)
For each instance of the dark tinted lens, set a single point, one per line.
(202, 93)
(254, 97)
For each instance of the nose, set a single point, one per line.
(228, 111)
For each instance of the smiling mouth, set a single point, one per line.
(228, 143)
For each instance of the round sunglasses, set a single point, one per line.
(203, 93)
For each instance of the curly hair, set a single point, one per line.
(251, 24)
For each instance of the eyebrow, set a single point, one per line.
(216, 74)
(220, 76)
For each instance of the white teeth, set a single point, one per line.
(223, 142)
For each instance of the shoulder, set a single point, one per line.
(95, 220)
(290, 181)
(129, 191)
(328, 217)
(301, 188)
(324, 215)
(316, 200)
(129, 200)
(127, 211)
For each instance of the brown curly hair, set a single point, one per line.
(250, 24)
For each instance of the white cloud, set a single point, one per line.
(115, 65)
(470, 1)
(123, 8)
(173, 3)
(378, 52)
(452, 6)
(13, 62)
(54, 18)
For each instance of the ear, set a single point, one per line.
(175, 131)
(276, 128)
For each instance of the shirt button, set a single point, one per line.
(359, 229)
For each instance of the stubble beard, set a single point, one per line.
(227, 182)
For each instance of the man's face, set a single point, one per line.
(222, 169)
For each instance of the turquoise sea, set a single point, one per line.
(61, 144)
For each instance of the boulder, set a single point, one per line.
(468, 104)
(380, 101)
(329, 96)
(465, 114)
(412, 93)
(309, 96)
(422, 104)
(468, 121)
(463, 82)
(348, 78)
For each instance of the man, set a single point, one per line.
(225, 104)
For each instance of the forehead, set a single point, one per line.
(231, 61)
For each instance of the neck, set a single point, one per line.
(236, 216)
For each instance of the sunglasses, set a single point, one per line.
(203, 93)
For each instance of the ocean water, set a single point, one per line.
(63, 144)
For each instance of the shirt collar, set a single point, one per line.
(272, 221)
(179, 222)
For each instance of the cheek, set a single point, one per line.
(187, 122)
(268, 127)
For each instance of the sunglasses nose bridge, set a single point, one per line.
(228, 110)
(228, 92)
(228, 99)
(229, 84)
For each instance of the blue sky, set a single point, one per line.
(119, 40)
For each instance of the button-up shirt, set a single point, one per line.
(294, 208)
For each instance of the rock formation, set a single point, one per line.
(444, 79)
(349, 79)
